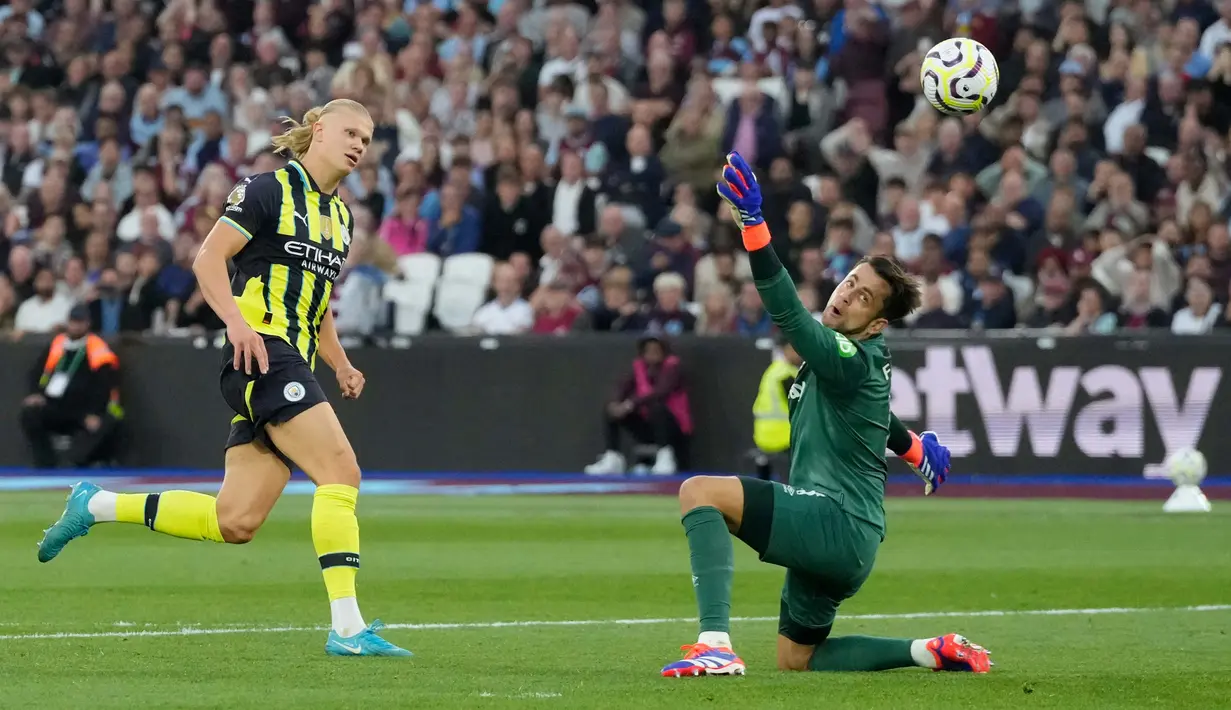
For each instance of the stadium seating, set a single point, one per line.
(462, 288)
(412, 295)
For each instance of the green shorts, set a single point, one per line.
(828, 555)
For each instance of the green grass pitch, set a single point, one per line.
(120, 620)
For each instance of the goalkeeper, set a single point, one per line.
(826, 526)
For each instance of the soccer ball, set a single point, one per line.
(959, 76)
(1186, 467)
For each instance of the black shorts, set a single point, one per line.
(279, 395)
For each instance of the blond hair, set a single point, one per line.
(296, 140)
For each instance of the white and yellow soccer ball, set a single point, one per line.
(959, 76)
(1186, 467)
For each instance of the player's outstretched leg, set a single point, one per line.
(314, 439)
(709, 505)
(951, 652)
(185, 514)
(254, 480)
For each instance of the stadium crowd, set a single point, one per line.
(577, 144)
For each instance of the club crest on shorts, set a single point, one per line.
(293, 392)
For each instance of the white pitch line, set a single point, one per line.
(217, 631)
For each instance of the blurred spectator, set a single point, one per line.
(717, 313)
(145, 296)
(1201, 313)
(74, 391)
(1119, 260)
(840, 254)
(618, 312)
(858, 58)
(624, 243)
(751, 318)
(111, 171)
(932, 315)
(557, 313)
(506, 218)
(670, 252)
(1147, 175)
(404, 229)
(782, 192)
(1136, 310)
(573, 202)
(752, 126)
(458, 229)
(74, 285)
(638, 181)
(1218, 251)
(691, 143)
(652, 405)
(723, 269)
(146, 200)
(8, 304)
(669, 315)
(559, 263)
(46, 310)
(990, 306)
(508, 313)
(1053, 304)
(1092, 315)
(909, 231)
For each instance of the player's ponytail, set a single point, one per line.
(296, 140)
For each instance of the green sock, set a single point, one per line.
(862, 653)
(713, 565)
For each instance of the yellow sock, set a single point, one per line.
(335, 534)
(192, 516)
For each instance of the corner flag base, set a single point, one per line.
(1187, 499)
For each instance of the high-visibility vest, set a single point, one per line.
(97, 353)
(771, 428)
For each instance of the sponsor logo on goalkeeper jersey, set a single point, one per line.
(792, 490)
(1047, 411)
(845, 347)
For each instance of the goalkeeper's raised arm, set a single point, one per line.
(874, 293)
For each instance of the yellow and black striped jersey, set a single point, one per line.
(298, 239)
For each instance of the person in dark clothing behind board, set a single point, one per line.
(652, 405)
(74, 391)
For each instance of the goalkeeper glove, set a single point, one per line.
(929, 459)
(740, 190)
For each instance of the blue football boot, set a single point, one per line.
(74, 522)
(364, 643)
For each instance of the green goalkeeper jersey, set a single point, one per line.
(839, 407)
